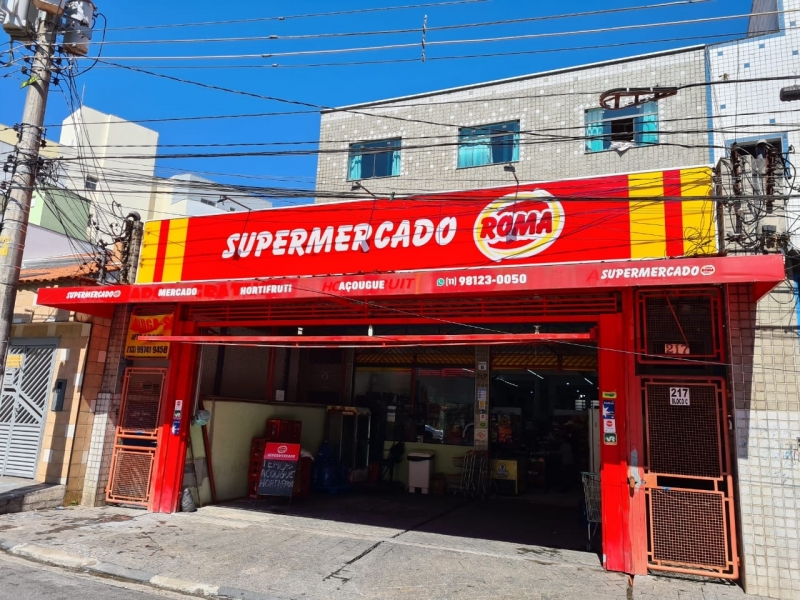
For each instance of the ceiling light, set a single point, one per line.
(587, 380)
(535, 373)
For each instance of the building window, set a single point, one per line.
(90, 183)
(488, 145)
(374, 159)
(634, 124)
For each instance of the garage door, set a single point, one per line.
(26, 389)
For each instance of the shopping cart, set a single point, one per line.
(591, 490)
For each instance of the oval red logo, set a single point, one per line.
(519, 225)
(282, 449)
(708, 269)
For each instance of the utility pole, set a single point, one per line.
(15, 220)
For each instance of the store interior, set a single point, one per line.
(362, 415)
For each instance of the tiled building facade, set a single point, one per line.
(551, 112)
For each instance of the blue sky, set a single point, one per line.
(134, 95)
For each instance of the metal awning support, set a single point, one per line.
(365, 341)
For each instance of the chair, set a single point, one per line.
(393, 457)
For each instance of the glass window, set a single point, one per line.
(434, 406)
(634, 124)
(488, 144)
(374, 159)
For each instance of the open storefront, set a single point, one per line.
(538, 328)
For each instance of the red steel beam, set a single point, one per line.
(371, 341)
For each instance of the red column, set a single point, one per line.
(623, 507)
(168, 469)
(614, 490)
(634, 421)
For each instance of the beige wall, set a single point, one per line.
(80, 356)
(232, 427)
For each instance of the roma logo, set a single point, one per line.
(519, 225)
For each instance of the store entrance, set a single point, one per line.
(389, 436)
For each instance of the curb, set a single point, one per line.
(90, 565)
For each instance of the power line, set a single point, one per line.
(302, 16)
(428, 43)
(414, 30)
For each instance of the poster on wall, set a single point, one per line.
(142, 323)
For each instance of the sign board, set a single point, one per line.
(14, 361)
(609, 426)
(578, 220)
(679, 396)
(609, 409)
(610, 439)
(147, 324)
(676, 349)
(278, 469)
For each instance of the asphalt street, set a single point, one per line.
(23, 580)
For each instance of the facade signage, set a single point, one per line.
(768, 269)
(14, 361)
(142, 323)
(611, 218)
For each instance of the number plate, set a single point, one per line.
(679, 396)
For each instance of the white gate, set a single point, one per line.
(26, 390)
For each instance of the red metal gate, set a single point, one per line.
(688, 484)
(136, 437)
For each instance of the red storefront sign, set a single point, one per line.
(762, 271)
(621, 217)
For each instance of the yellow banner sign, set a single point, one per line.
(141, 324)
(14, 361)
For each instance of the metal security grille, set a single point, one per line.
(141, 400)
(406, 310)
(674, 324)
(136, 437)
(131, 481)
(23, 404)
(566, 357)
(684, 422)
(456, 356)
(691, 532)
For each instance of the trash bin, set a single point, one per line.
(420, 467)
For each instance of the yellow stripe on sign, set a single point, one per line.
(699, 215)
(176, 248)
(648, 226)
(147, 257)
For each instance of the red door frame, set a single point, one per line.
(623, 509)
(168, 470)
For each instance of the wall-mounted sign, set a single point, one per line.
(679, 396)
(14, 361)
(617, 217)
(142, 323)
(609, 426)
(609, 409)
(676, 349)
(610, 439)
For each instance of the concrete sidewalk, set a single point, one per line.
(230, 552)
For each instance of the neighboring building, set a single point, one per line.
(765, 343)
(51, 381)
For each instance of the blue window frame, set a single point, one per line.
(488, 144)
(636, 124)
(374, 159)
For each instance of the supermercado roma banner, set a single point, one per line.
(622, 217)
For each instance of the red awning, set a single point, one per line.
(763, 272)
